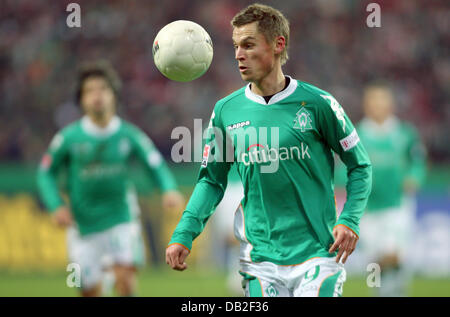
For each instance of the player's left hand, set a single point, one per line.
(344, 241)
(173, 200)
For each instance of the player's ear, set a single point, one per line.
(280, 44)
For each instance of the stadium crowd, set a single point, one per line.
(331, 47)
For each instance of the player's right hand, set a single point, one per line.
(176, 254)
(63, 217)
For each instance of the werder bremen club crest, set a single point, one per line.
(303, 120)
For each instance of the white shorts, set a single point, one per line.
(317, 277)
(121, 244)
(387, 231)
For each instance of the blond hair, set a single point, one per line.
(271, 23)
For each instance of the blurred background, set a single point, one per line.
(331, 47)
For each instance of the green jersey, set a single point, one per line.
(396, 153)
(283, 153)
(96, 159)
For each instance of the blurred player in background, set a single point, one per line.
(398, 159)
(292, 243)
(103, 212)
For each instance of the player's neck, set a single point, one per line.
(271, 84)
(382, 120)
(102, 120)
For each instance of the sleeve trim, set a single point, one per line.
(340, 224)
(180, 245)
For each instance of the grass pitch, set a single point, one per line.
(191, 283)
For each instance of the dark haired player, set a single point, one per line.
(102, 209)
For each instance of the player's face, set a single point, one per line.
(378, 104)
(255, 56)
(97, 97)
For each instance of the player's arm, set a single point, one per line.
(341, 135)
(156, 166)
(207, 194)
(53, 160)
(417, 162)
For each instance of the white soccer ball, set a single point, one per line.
(182, 51)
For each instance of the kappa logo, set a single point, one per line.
(238, 125)
(303, 120)
(84, 148)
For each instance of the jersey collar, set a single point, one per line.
(386, 127)
(275, 98)
(91, 128)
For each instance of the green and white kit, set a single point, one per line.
(288, 212)
(102, 198)
(317, 277)
(397, 154)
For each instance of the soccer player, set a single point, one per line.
(292, 242)
(398, 159)
(103, 211)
